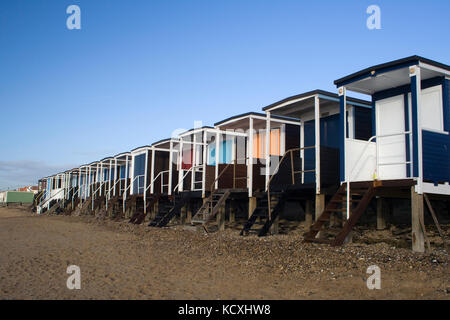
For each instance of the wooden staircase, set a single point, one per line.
(360, 195)
(167, 211)
(261, 211)
(211, 207)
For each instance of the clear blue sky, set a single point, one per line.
(137, 70)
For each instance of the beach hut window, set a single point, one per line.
(432, 110)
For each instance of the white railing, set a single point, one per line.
(122, 186)
(161, 174)
(200, 170)
(48, 200)
(349, 178)
(73, 196)
(67, 195)
(182, 179)
(40, 197)
(109, 192)
(125, 192)
(191, 169)
(94, 193)
(139, 187)
(162, 181)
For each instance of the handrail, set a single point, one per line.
(184, 176)
(109, 191)
(162, 181)
(68, 192)
(350, 176)
(146, 189)
(223, 171)
(139, 176)
(93, 194)
(291, 152)
(39, 196)
(160, 173)
(51, 197)
(129, 186)
(73, 196)
(125, 192)
(114, 185)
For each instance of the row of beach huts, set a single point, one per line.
(325, 154)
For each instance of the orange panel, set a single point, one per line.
(259, 144)
(275, 142)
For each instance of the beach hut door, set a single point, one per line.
(391, 150)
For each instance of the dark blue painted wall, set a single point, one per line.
(329, 137)
(436, 157)
(436, 147)
(363, 123)
(139, 169)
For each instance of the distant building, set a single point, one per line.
(33, 189)
(16, 197)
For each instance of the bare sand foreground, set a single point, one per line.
(123, 261)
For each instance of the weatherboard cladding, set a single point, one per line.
(435, 146)
(436, 157)
(446, 104)
(407, 141)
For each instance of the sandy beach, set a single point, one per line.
(123, 261)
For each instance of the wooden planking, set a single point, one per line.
(329, 166)
(292, 137)
(436, 156)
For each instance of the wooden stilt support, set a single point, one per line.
(221, 219)
(418, 238)
(154, 210)
(232, 215)
(381, 213)
(274, 229)
(189, 213)
(320, 206)
(308, 213)
(251, 205)
(183, 214)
